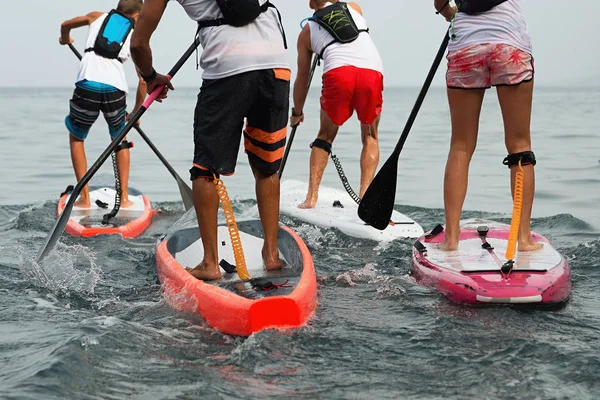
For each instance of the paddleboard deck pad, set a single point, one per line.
(335, 209)
(472, 274)
(129, 222)
(284, 298)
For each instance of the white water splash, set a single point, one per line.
(66, 269)
(367, 274)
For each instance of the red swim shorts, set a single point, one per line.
(346, 89)
(484, 65)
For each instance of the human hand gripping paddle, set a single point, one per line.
(293, 133)
(184, 189)
(61, 222)
(377, 204)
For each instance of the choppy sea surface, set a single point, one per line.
(90, 321)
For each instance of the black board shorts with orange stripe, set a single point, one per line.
(262, 98)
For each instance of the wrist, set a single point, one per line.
(150, 77)
(296, 114)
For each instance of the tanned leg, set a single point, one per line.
(80, 166)
(369, 157)
(516, 104)
(267, 197)
(465, 108)
(206, 203)
(318, 160)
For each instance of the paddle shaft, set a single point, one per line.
(61, 222)
(413, 114)
(293, 133)
(377, 204)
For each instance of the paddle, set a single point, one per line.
(184, 189)
(61, 222)
(293, 133)
(377, 204)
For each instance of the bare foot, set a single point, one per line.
(448, 246)
(205, 273)
(271, 260)
(126, 203)
(530, 246)
(82, 203)
(310, 202)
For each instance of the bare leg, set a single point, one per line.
(123, 161)
(267, 197)
(318, 160)
(465, 107)
(369, 157)
(80, 166)
(515, 102)
(206, 203)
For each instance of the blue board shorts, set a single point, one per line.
(89, 98)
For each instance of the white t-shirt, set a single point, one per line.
(229, 50)
(504, 24)
(100, 69)
(361, 53)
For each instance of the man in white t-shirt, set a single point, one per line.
(245, 77)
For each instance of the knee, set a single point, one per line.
(464, 149)
(368, 135)
(326, 135)
(518, 143)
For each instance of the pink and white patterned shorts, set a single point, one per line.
(482, 66)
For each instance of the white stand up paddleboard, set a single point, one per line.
(129, 222)
(343, 215)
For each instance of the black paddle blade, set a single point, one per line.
(377, 204)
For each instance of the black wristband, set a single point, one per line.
(294, 114)
(150, 77)
(438, 12)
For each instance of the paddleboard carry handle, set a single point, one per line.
(435, 231)
(420, 247)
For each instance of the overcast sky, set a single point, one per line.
(407, 33)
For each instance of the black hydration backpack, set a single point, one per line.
(337, 20)
(473, 7)
(237, 12)
(240, 13)
(112, 35)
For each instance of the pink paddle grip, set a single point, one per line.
(154, 95)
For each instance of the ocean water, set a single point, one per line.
(91, 323)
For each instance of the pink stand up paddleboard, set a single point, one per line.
(472, 274)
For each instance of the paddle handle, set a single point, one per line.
(432, 71)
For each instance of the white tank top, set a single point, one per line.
(504, 24)
(229, 50)
(104, 70)
(360, 53)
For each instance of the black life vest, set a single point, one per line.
(240, 13)
(473, 7)
(112, 35)
(337, 20)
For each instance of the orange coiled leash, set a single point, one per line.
(234, 233)
(513, 236)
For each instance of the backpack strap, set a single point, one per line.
(91, 50)
(337, 41)
(225, 21)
